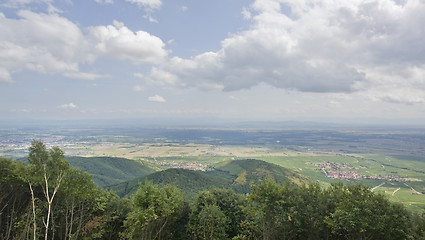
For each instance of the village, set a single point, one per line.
(335, 170)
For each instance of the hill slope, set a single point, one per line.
(189, 181)
(245, 172)
(108, 171)
(236, 175)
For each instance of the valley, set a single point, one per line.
(391, 160)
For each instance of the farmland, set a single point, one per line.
(391, 161)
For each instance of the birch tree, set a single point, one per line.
(46, 169)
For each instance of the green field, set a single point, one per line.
(394, 157)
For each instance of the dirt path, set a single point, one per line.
(413, 189)
(380, 185)
(395, 191)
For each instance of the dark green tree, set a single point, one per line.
(14, 199)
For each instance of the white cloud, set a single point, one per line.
(45, 43)
(68, 106)
(5, 75)
(156, 98)
(246, 13)
(84, 75)
(148, 4)
(51, 44)
(138, 88)
(139, 75)
(118, 41)
(105, 1)
(150, 18)
(314, 46)
(23, 3)
(183, 8)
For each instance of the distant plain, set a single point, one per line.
(389, 160)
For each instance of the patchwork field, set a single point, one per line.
(389, 161)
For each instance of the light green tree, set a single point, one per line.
(46, 169)
(154, 208)
(227, 202)
(210, 223)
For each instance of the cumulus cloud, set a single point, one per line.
(118, 41)
(45, 43)
(68, 106)
(49, 43)
(156, 98)
(313, 46)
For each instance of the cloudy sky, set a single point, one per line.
(230, 59)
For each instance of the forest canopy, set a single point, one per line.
(48, 199)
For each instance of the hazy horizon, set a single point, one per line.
(354, 62)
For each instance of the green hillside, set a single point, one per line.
(236, 175)
(252, 170)
(108, 171)
(189, 181)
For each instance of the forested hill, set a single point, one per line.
(108, 171)
(48, 199)
(251, 170)
(190, 182)
(236, 175)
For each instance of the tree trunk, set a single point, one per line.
(33, 212)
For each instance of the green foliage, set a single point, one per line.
(227, 202)
(362, 214)
(14, 197)
(155, 209)
(309, 212)
(188, 181)
(272, 210)
(252, 171)
(107, 171)
(224, 176)
(209, 223)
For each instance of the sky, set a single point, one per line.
(273, 60)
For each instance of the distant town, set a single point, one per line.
(335, 170)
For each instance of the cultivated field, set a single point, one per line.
(389, 161)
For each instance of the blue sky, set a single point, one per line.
(315, 60)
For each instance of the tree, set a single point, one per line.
(77, 202)
(210, 223)
(46, 168)
(227, 202)
(363, 214)
(154, 208)
(14, 197)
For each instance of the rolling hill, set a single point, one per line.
(237, 175)
(108, 171)
(189, 181)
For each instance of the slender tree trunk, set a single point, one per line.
(50, 200)
(46, 193)
(11, 220)
(158, 234)
(71, 220)
(33, 211)
(80, 222)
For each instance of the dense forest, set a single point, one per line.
(45, 198)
